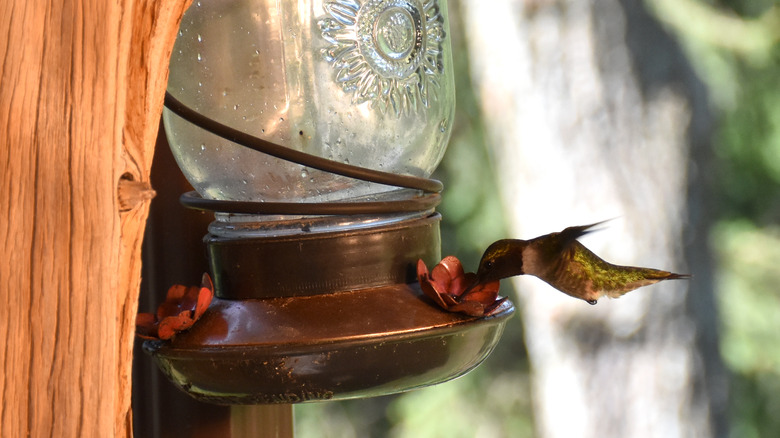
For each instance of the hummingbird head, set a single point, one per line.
(501, 259)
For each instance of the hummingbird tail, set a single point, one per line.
(642, 277)
(673, 276)
(656, 275)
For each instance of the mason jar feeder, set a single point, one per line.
(311, 128)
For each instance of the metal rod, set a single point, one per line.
(316, 162)
(404, 205)
(261, 421)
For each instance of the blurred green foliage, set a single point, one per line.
(748, 144)
(735, 47)
(749, 300)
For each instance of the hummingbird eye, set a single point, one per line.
(489, 264)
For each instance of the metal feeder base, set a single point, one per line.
(326, 347)
(324, 316)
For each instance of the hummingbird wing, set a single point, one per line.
(571, 234)
(549, 257)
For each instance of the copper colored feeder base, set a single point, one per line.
(297, 348)
(326, 347)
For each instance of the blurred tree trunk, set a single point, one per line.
(81, 91)
(594, 113)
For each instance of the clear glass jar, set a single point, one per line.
(364, 82)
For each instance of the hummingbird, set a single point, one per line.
(563, 262)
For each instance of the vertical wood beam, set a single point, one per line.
(81, 89)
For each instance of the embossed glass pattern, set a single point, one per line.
(365, 82)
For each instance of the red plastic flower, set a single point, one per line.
(182, 307)
(454, 290)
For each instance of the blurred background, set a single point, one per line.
(663, 115)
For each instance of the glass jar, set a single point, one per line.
(364, 82)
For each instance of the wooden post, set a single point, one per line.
(81, 89)
(261, 421)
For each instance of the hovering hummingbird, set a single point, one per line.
(563, 262)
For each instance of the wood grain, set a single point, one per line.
(81, 88)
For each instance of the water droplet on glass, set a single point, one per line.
(281, 119)
(304, 173)
(202, 147)
(200, 40)
(200, 58)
